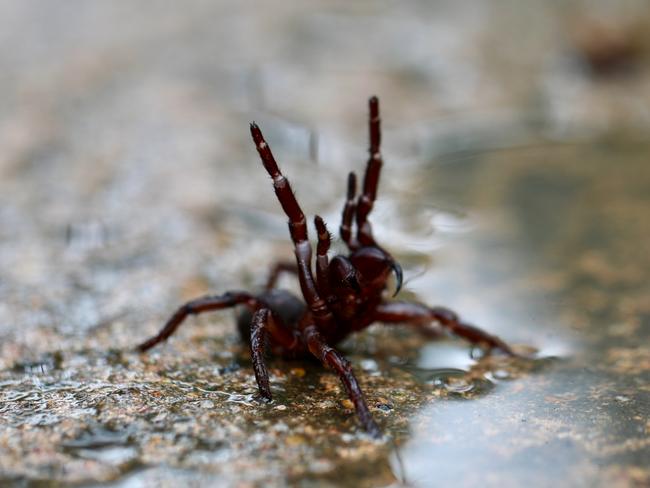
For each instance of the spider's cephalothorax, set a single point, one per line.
(346, 295)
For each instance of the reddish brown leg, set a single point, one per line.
(322, 261)
(297, 229)
(258, 348)
(333, 359)
(200, 305)
(414, 313)
(348, 214)
(277, 269)
(340, 266)
(371, 177)
(263, 325)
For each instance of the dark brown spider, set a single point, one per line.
(346, 296)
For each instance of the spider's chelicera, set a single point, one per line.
(347, 294)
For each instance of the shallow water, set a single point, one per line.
(129, 185)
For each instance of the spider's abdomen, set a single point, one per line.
(282, 303)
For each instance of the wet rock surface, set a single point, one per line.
(516, 191)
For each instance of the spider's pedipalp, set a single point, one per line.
(349, 208)
(322, 261)
(324, 237)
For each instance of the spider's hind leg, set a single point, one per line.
(421, 315)
(195, 307)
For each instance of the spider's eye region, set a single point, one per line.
(352, 282)
(371, 263)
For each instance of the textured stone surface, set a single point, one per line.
(516, 191)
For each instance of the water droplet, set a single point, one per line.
(42, 366)
(370, 366)
(115, 455)
(384, 407)
(97, 437)
(477, 353)
(501, 374)
(445, 355)
(459, 386)
(345, 437)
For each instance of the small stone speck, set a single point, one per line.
(298, 372)
(347, 404)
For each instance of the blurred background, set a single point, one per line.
(515, 190)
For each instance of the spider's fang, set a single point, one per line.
(397, 269)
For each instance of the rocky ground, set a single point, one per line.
(516, 190)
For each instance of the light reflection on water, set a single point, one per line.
(543, 425)
(445, 355)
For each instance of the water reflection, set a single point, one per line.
(434, 356)
(536, 424)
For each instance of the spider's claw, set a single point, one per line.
(397, 269)
(257, 136)
(255, 132)
(506, 349)
(144, 346)
(372, 429)
(263, 398)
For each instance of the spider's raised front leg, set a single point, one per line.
(333, 359)
(415, 313)
(371, 177)
(195, 307)
(297, 229)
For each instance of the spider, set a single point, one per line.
(346, 295)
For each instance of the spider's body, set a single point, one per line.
(346, 295)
